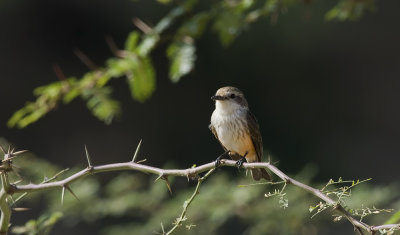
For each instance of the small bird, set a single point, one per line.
(237, 129)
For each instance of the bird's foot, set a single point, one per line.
(218, 160)
(239, 163)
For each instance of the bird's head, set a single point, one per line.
(229, 99)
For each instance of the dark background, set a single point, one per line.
(323, 92)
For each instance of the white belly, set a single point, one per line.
(231, 131)
(229, 138)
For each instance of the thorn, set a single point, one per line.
(167, 182)
(88, 158)
(73, 194)
(12, 199)
(9, 158)
(9, 148)
(62, 195)
(1, 147)
(55, 176)
(137, 150)
(19, 152)
(141, 161)
(159, 177)
(18, 181)
(21, 209)
(142, 25)
(162, 228)
(19, 198)
(59, 73)
(113, 47)
(85, 59)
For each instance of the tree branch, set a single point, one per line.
(191, 173)
(5, 209)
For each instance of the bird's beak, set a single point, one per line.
(217, 97)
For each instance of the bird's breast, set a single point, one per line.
(233, 132)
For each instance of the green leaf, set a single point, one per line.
(350, 10)
(51, 90)
(141, 80)
(32, 117)
(18, 115)
(118, 67)
(71, 95)
(107, 110)
(131, 41)
(49, 222)
(150, 40)
(102, 105)
(27, 115)
(394, 219)
(165, 22)
(102, 81)
(42, 225)
(148, 43)
(228, 25)
(195, 26)
(164, 1)
(182, 56)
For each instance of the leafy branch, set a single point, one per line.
(8, 189)
(228, 19)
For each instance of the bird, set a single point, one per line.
(237, 130)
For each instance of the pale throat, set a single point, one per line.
(227, 107)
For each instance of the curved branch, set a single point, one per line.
(190, 173)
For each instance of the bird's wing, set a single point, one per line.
(212, 128)
(254, 131)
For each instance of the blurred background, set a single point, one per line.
(325, 93)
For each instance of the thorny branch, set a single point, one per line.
(9, 189)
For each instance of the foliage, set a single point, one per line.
(350, 10)
(191, 18)
(42, 225)
(342, 194)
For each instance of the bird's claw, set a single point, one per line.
(218, 160)
(239, 163)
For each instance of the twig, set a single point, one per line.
(359, 226)
(187, 203)
(44, 181)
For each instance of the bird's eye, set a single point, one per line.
(232, 96)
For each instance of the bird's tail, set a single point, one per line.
(259, 173)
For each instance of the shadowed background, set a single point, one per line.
(323, 92)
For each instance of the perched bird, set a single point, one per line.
(237, 129)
